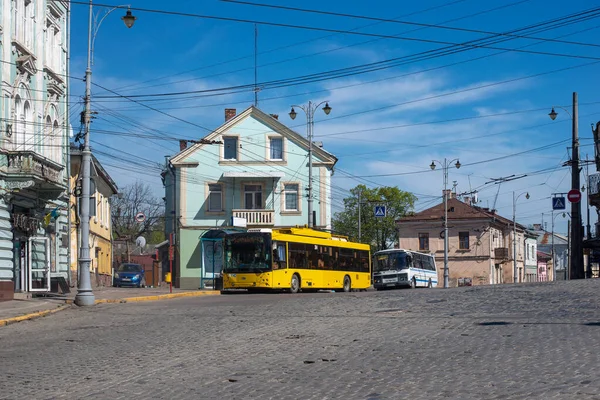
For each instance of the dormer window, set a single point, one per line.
(230, 148)
(276, 148)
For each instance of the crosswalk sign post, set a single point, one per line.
(558, 203)
(380, 211)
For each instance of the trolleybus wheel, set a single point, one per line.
(347, 284)
(295, 284)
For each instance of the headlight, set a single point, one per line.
(136, 277)
(116, 275)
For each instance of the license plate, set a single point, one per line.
(390, 280)
(126, 279)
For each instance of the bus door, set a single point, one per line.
(417, 264)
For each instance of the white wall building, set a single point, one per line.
(34, 47)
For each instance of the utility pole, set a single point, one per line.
(577, 269)
(445, 164)
(359, 233)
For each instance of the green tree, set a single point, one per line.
(379, 232)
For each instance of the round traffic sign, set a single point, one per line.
(574, 196)
(140, 217)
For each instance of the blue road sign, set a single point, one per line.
(380, 211)
(558, 203)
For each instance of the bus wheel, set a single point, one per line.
(295, 284)
(347, 284)
(413, 283)
(430, 285)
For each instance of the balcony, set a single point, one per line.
(256, 217)
(594, 189)
(28, 165)
(501, 253)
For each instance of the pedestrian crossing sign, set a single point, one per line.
(558, 203)
(380, 211)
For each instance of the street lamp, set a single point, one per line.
(309, 110)
(85, 296)
(577, 270)
(515, 273)
(445, 166)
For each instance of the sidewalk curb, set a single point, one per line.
(39, 314)
(152, 297)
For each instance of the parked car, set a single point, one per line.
(129, 274)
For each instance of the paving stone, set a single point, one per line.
(534, 341)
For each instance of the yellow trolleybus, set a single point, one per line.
(294, 259)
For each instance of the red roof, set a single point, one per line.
(457, 210)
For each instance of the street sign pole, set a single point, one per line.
(171, 262)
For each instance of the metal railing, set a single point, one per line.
(256, 217)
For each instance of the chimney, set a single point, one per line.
(467, 200)
(182, 145)
(229, 113)
(276, 116)
(448, 193)
(537, 227)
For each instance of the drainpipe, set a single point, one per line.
(68, 145)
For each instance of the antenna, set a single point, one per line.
(255, 65)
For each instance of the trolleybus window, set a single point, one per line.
(247, 253)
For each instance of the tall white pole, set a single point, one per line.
(446, 272)
(85, 296)
(553, 258)
(515, 274)
(309, 134)
(359, 231)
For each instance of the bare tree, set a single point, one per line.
(136, 198)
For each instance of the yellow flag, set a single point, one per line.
(47, 219)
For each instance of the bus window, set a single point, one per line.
(279, 256)
(298, 257)
(364, 261)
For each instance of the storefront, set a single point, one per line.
(33, 240)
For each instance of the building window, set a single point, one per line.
(253, 197)
(290, 192)
(424, 241)
(215, 197)
(101, 209)
(463, 240)
(276, 149)
(230, 148)
(106, 213)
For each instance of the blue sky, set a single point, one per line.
(486, 106)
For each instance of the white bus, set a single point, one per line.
(403, 268)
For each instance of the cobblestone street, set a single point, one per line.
(533, 341)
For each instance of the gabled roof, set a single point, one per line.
(545, 237)
(97, 168)
(268, 120)
(458, 210)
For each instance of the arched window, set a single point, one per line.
(57, 142)
(27, 123)
(47, 144)
(17, 125)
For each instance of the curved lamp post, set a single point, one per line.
(85, 296)
(515, 270)
(309, 110)
(445, 164)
